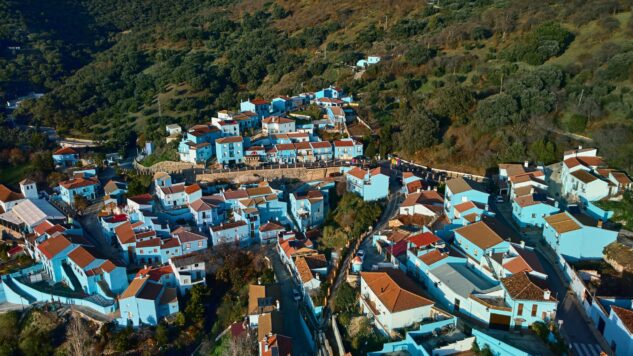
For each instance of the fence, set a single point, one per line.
(449, 174)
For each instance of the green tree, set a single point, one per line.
(419, 129)
(334, 238)
(196, 307)
(543, 150)
(453, 101)
(162, 334)
(346, 299)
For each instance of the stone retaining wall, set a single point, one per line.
(301, 173)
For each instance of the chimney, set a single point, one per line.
(556, 203)
(546, 294)
(259, 280)
(278, 305)
(600, 224)
(318, 276)
(522, 244)
(526, 164)
(580, 147)
(490, 253)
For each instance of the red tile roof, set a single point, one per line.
(625, 315)
(7, 195)
(81, 257)
(230, 139)
(395, 290)
(79, 182)
(259, 101)
(277, 120)
(65, 151)
(424, 239)
(192, 188)
(522, 286)
(51, 247)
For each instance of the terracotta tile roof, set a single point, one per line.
(174, 189)
(344, 143)
(571, 162)
(621, 177)
(303, 146)
(528, 200)
(262, 298)
(562, 222)
(81, 257)
(522, 286)
(305, 273)
(285, 146)
(229, 225)
(42, 227)
(187, 236)
(134, 287)
(270, 323)
(625, 315)
(321, 144)
(53, 246)
(397, 236)
(108, 266)
(253, 192)
(259, 101)
(480, 234)
(316, 261)
(192, 188)
(521, 191)
(155, 242)
(465, 206)
(154, 273)
(432, 257)
(460, 185)
(357, 172)
(591, 161)
(424, 239)
(200, 205)
(65, 151)
(277, 120)
(79, 182)
(7, 195)
(124, 233)
(292, 247)
(414, 186)
(230, 139)
(235, 194)
(169, 243)
(471, 218)
(584, 176)
(395, 290)
(271, 226)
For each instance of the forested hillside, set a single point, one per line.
(467, 83)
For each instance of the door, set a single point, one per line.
(499, 322)
(601, 326)
(456, 308)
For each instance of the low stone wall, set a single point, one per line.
(300, 173)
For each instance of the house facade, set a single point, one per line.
(370, 185)
(230, 150)
(576, 240)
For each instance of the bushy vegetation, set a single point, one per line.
(348, 221)
(468, 84)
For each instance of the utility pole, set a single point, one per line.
(160, 112)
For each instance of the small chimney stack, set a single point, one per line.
(259, 280)
(526, 164)
(522, 244)
(547, 294)
(278, 305)
(266, 343)
(600, 224)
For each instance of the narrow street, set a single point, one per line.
(575, 328)
(290, 308)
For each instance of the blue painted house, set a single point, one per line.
(65, 157)
(618, 330)
(247, 120)
(230, 150)
(530, 300)
(196, 145)
(531, 210)
(483, 238)
(80, 186)
(308, 209)
(369, 184)
(95, 275)
(577, 236)
(260, 107)
(236, 232)
(322, 150)
(347, 149)
(461, 190)
(146, 302)
(282, 104)
(283, 153)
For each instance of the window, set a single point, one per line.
(199, 243)
(534, 309)
(520, 311)
(155, 250)
(188, 245)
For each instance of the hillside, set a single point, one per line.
(465, 85)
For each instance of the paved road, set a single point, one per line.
(290, 308)
(575, 329)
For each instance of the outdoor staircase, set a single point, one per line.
(76, 286)
(99, 300)
(103, 285)
(492, 269)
